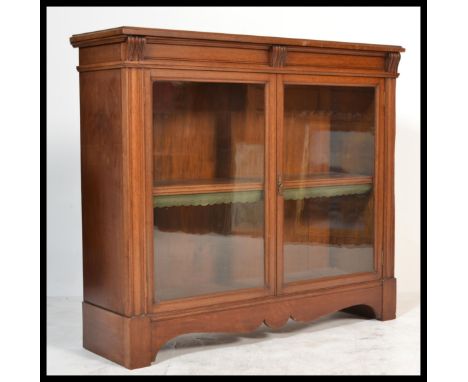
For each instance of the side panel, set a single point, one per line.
(105, 264)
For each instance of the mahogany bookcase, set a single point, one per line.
(229, 181)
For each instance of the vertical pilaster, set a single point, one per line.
(135, 185)
(388, 261)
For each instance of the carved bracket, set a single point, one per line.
(135, 46)
(278, 55)
(391, 62)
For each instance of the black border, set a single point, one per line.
(423, 140)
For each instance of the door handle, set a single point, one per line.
(280, 185)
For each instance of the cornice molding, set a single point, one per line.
(80, 39)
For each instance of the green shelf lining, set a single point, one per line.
(252, 196)
(207, 199)
(325, 191)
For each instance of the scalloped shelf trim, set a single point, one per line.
(207, 199)
(253, 196)
(325, 191)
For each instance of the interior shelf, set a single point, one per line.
(206, 199)
(325, 191)
(326, 179)
(206, 186)
(326, 185)
(204, 193)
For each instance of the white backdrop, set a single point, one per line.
(398, 26)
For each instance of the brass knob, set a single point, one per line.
(280, 185)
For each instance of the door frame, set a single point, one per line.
(269, 80)
(379, 159)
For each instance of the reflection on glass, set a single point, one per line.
(328, 170)
(208, 178)
(208, 249)
(211, 132)
(328, 237)
(328, 130)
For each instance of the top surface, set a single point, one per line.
(77, 39)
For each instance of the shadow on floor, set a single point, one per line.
(194, 342)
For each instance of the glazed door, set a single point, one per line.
(211, 178)
(329, 181)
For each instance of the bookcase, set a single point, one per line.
(230, 181)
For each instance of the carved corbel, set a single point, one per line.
(278, 55)
(135, 46)
(391, 62)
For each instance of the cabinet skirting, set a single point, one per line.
(135, 341)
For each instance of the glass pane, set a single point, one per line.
(213, 132)
(207, 249)
(327, 236)
(208, 178)
(328, 169)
